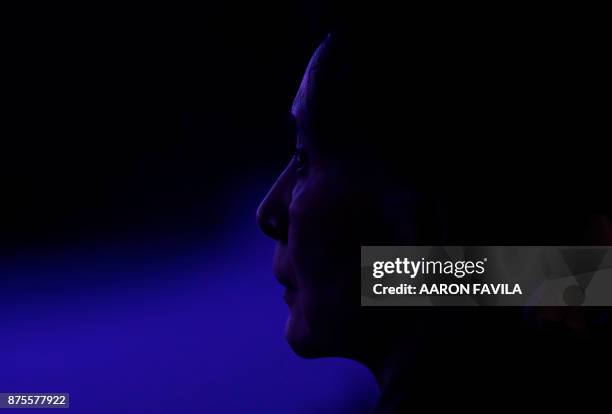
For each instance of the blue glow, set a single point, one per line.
(194, 331)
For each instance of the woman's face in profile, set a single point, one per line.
(316, 211)
(310, 212)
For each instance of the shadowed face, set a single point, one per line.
(316, 211)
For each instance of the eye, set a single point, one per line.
(301, 161)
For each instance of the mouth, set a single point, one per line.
(289, 296)
(284, 274)
(290, 288)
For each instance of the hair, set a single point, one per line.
(499, 125)
(499, 122)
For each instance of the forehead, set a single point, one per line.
(299, 108)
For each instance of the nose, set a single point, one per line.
(272, 214)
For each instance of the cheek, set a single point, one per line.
(323, 236)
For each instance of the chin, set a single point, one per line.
(304, 349)
(309, 343)
(301, 339)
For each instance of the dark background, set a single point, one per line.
(132, 120)
(136, 144)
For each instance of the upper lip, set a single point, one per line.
(282, 269)
(283, 275)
